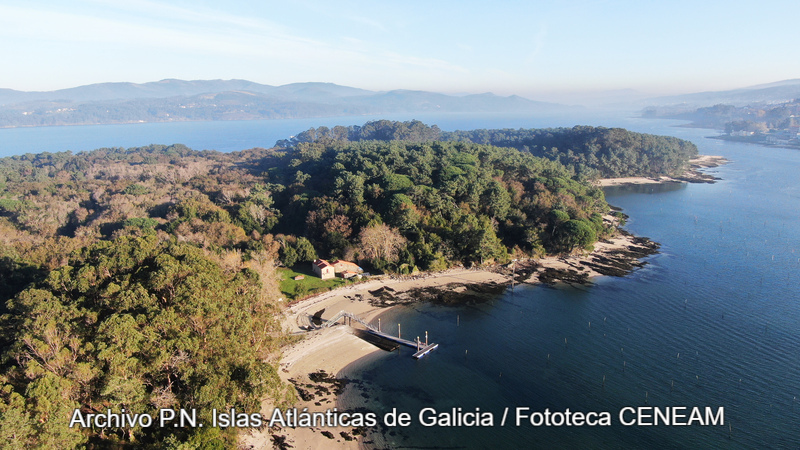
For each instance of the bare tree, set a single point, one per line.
(381, 242)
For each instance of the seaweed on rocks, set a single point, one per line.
(618, 263)
(304, 394)
(449, 294)
(458, 294)
(280, 443)
(321, 384)
(322, 378)
(346, 436)
(551, 275)
(385, 296)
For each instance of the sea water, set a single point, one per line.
(228, 136)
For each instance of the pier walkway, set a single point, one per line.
(422, 348)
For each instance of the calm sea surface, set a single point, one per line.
(711, 321)
(231, 136)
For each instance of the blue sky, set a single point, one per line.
(530, 48)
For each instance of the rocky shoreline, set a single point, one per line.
(319, 367)
(616, 258)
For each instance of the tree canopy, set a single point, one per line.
(452, 201)
(133, 323)
(594, 152)
(590, 152)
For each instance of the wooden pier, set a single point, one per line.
(422, 349)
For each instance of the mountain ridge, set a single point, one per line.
(779, 91)
(197, 100)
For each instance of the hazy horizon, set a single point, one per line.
(537, 50)
(619, 99)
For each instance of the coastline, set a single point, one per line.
(692, 174)
(756, 141)
(333, 349)
(321, 365)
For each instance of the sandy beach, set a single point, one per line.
(692, 175)
(604, 182)
(332, 349)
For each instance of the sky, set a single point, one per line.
(531, 48)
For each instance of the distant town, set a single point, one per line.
(762, 123)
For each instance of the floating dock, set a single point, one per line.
(425, 350)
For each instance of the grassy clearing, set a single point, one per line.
(312, 284)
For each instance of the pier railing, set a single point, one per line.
(349, 315)
(422, 349)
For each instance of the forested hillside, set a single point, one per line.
(147, 278)
(590, 152)
(595, 152)
(125, 287)
(449, 201)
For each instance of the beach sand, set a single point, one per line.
(604, 182)
(333, 349)
(692, 175)
(329, 350)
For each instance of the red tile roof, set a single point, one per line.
(321, 263)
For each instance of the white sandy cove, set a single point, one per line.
(633, 180)
(700, 162)
(335, 348)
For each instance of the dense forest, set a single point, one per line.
(126, 287)
(590, 152)
(149, 278)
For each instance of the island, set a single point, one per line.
(163, 278)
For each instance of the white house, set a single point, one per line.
(323, 269)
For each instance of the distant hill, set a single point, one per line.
(761, 107)
(778, 92)
(180, 100)
(127, 91)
